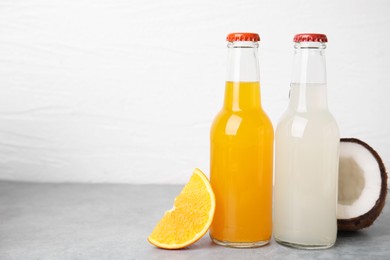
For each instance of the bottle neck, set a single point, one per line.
(309, 63)
(243, 63)
(308, 83)
(242, 90)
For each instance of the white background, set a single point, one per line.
(125, 91)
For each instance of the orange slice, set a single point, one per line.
(190, 217)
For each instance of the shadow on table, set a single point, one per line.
(350, 238)
(350, 234)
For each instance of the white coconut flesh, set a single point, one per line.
(359, 181)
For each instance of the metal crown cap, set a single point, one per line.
(310, 37)
(250, 37)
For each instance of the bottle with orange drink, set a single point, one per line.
(241, 152)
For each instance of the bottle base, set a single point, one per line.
(240, 244)
(304, 246)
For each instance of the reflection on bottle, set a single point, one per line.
(233, 124)
(298, 126)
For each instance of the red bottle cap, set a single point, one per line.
(249, 37)
(310, 37)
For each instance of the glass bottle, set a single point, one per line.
(241, 152)
(307, 154)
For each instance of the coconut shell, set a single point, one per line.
(368, 218)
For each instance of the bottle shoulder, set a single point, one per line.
(242, 124)
(322, 115)
(313, 123)
(252, 117)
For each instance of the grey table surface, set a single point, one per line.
(112, 221)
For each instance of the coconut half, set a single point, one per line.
(362, 185)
